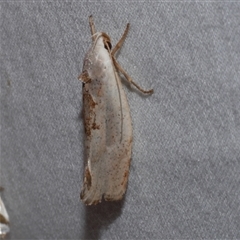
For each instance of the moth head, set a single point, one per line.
(107, 41)
(104, 39)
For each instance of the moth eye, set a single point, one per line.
(107, 45)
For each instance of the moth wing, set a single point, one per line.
(108, 131)
(4, 220)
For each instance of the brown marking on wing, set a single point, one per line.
(100, 92)
(89, 113)
(84, 77)
(3, 220)
(113, 198)
(125, 177)
(88, 178)
(95, 126)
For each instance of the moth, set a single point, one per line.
(107, 121)
(4, 219)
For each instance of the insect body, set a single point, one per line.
(107, 121)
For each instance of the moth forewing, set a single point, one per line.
(107, 122)
(4, 220)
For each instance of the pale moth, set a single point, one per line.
(107, 121)
(4, 219)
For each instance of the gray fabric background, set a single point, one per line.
(185, 171)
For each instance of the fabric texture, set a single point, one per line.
(184, 178)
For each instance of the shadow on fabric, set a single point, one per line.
(99, 217)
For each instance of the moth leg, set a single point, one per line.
(92, 27)
(120, 42)
(120, 69)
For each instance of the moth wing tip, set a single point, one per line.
(88, 199)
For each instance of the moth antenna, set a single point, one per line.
(95, 37)
(121, 41)
(92, 27)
